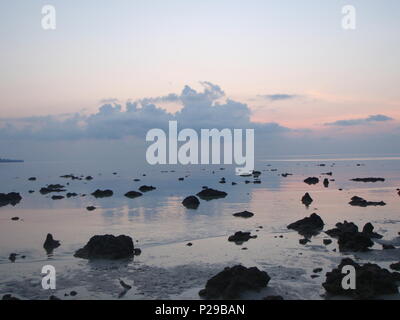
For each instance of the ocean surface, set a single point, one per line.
(161, 227)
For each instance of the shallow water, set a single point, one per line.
(167, 268)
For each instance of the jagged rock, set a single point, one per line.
(388, 247)
(311, 180)
(240, 237)
(50, 244)
(133, 194)
(232, 282)
(304, 241)
(368, 230)
(147, 188)
(368, 179)
(307, 200)
(342, 228)
(107, 247)
(308, 226)
(360, 202)
(371, 281)
(209, 194)
(395, 266)
(9, 297)
(354, 241)
(244, 214)
(12, 198)
(191, 202)
(52, 188)
(102, 193)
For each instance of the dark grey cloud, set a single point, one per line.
(279, 96)
(200, 109)
(360, 121)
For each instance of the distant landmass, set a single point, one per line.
(9, 160)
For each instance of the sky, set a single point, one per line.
(111, 70)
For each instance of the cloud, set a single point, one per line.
(279, 96)
(200, 109)
(360, 121)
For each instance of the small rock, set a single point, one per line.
(191, 202)
(243, 214)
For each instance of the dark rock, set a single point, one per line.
(12, 257)
(107, 247)
(317, 270)
(9, 297)
(371, 281)
(388, 247)
(311, 180)
(52, 188)
(15, 218)
(90, 208)
(57, 197)
(327, 241)
(137, 252)
(368, 179)
(71, 194)
(232, 282)
(147, 188)
(368, 230)
(191, 202)
(88, 178)
(240, 237)
(304, 241)
(354, 241)
(73, 293)
(133, 194)
(327, 173)
(273, 298)
(189, 244)
(210, 194)
(308, 226)
(285, 175)
(50, 244)
(54, 298)
(342, 228)
(32, 179)
(234, 183)
(360, 202)
(12, 198)
(181, 179)
(307, 200)
(256, 173)
(326, 183)
(243, 214)
(395, 266)
(102, 193)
